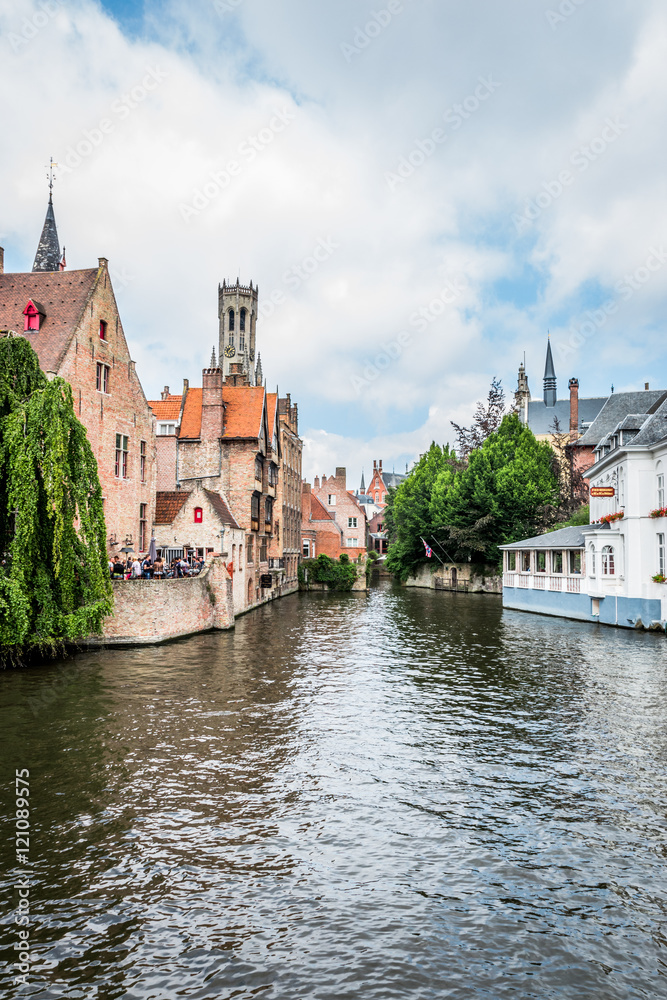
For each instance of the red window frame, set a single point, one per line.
(31, 318)
(103, 329)
(199, 515)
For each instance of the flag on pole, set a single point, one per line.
(429, 550)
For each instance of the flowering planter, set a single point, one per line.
(659, 512)
(609, 518)
(659, 578)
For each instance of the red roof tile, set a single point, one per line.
(168, 505)
(166, 409)
(62, 295)
(191, 420)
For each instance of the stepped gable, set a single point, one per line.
(222, 510)
(62, 295)
(616, 408)
(168, 505)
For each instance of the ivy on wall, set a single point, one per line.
(54, 580)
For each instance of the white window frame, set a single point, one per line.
(331, 500)
(608, 560)
(351, 522)
(662, 554)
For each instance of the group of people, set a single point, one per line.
(143, 568)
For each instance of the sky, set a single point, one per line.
(421, 189)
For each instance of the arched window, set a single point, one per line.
(608, 561)
(230, 325)
(199, 515)
(591, 560)
(243, 315)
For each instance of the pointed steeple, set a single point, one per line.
(362, 488)
(48, 257)
(259, 377)
(214, 363)
(549, 378)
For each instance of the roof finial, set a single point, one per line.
(51, 176)
(214, 363)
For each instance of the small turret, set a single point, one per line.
(550, 390)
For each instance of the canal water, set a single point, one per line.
(396, 795)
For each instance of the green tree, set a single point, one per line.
(408, 515)
(54, 580)
(509, 490)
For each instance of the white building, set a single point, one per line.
(605, 571)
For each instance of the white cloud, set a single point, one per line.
(220, 78)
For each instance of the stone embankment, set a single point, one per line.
(154, 611)
(464, 577)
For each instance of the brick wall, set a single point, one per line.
(166, 462)
(123, 409)
(152, 611)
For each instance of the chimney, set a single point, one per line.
(316, 483)
(165, 393)
(212, 409)
(2, 260)
(574, 408)
(380, 467)
(103, 262)
(341, 474)
(306, 501)
(646, 386)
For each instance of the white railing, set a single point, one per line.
(530, 581)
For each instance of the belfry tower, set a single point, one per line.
(237, 311)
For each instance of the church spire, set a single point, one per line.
(362, 488)
(549, 378)
(214, 363)
(48, 257)
(259, 378)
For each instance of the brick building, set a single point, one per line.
(71, 319)
(288, 499)
(199, 521)
(381, 483)
(332, 521)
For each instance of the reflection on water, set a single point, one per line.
(405, 794)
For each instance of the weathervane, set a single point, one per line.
(50, 176)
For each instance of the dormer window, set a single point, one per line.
(34, 314)
(103, 330)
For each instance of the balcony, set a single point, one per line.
(276, 563)
(529, 581)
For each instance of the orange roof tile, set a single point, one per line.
(166, 409)
(271, 407)
(191, 420)
(244, 405)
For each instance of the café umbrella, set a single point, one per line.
(152, 551)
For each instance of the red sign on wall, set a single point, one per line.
(603, 491)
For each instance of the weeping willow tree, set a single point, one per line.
(54, 580)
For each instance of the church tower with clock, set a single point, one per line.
(237, 311)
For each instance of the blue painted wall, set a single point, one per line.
(578, 606)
